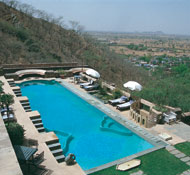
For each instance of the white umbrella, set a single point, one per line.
(133, 85)
(93, 73)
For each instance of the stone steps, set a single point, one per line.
(42, 129)
(60, 158)
(11, 82)
(57, 152)
(55, 148)
(37, 120)
(38, 125)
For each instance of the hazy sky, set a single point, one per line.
(169, 16)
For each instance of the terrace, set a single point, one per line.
(123, 117)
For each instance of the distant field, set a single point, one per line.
(155, 45)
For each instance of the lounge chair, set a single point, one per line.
(91, 87)
(91, 82)
(5, 109)
(125, 105)
(120, 100)
(6, 118)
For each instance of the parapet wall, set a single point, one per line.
(11, 68)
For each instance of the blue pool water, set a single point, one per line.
(82, 129)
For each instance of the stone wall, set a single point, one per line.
(11, 68)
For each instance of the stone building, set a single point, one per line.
(142, 112)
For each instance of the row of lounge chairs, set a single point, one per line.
(5, 116)
(122, 103)
(89, 86)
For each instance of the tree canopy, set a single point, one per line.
(172, 90)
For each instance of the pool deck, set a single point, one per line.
(151, 135)
(8, 160)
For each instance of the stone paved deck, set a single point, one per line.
(8, 160)
(179, 132)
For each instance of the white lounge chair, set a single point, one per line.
(91, 87)
(11, 117)
(91, 82)
(120, 100)
(125, 105)
(5, 109)
(5, 116)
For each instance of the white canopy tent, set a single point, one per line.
(93, 73)
(133, 86)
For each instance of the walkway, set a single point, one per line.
(179, 132)
(184, 158)
(8, 160)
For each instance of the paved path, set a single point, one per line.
(180, 129)
(8, 160)
(183, 157)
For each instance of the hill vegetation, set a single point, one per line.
(29, 35)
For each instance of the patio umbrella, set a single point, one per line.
(133, 86)
(93, 73)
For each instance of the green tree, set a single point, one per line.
(181, 70)
(16, 133)
(1, 88)
(117, 93)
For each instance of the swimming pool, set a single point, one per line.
(82, 129)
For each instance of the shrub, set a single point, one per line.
(22, 34)
(16, 133)
(117, 93)
(102, 91)
(160, 108)
(34, 48)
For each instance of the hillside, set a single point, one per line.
(25, 39)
